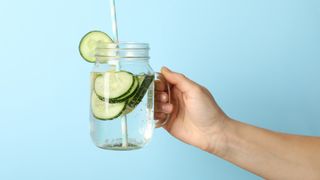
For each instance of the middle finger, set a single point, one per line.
(161, 97)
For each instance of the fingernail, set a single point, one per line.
(164, 97)
(166, 69)
(167, 107)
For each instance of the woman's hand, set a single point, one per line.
(197, 120)
(195, 117)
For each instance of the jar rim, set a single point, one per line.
(122, 51)
(123, 45)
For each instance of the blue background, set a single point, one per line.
(260, 59)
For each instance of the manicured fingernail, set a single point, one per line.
(166, 69)
(164, 97)
(167, 107)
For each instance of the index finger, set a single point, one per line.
(160, 85)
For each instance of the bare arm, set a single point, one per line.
(268, 154)
(197, 120)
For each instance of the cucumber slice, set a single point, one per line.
(114, 85)
(132, 92)
(145, 80)
(140, 78)
(103, 110)
(88, 44)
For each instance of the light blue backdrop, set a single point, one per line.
(261, 60)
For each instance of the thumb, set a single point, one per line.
(179, 80)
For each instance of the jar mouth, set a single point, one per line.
(122, 45)
(122, 51)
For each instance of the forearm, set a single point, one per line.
(266, 153)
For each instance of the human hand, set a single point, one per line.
(195, 117)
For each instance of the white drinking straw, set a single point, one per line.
(124, 124)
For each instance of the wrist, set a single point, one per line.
(218, 140)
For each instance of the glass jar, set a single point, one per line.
(122, 97)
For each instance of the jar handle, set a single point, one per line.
(161, 78)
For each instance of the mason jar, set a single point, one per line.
(122, 96)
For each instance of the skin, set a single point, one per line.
(265, 153)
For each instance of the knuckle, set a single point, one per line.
(198, 88)
(205, 89)
(181, 76)
(201, 89)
